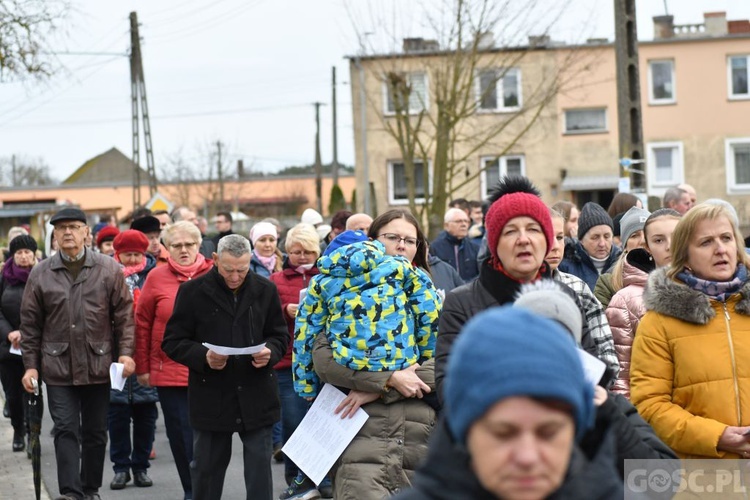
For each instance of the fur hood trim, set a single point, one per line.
(677, 300)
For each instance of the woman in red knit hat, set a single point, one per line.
(519, 234)
(134, 401)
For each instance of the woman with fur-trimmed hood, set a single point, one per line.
(689, 376)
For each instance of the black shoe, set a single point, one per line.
(6, 410)
(18, 441)
(141, 479)
(120, 480)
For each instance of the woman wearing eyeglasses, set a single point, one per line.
(383, 456)
(303, 249)
(153, 366)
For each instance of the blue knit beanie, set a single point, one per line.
(505, 352)
(345, 238)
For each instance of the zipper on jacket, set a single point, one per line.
(734, 364)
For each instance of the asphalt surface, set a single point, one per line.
(16, 477)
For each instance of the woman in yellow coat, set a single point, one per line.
(690, 365)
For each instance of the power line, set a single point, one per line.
(162, 117)
(203, 24)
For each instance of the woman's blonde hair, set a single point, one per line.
(182, 226)
(684, 230)
(303, 235)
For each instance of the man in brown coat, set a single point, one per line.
(76, 319)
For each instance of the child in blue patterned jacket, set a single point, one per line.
(378, 311)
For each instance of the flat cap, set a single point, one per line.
(147, 224)
(69, 213)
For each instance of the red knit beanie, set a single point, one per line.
(131, 241)
(518, 198)
(107, 233)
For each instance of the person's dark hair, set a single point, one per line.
(338, 221)
(461, 203)
(564, 207)
(140, 212)
(475, 204)
(420, 258)
(226, 215)
(621, 203)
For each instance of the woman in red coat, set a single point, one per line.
(153, 366)
(303, 249)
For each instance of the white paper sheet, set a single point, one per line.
(322, 437)
(235, 351)
(593, 367)
(115, 376)
(15, 350)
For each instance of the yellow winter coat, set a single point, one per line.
(690, 366)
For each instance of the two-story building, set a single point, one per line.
(695, 108)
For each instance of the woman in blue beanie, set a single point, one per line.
(515, 407)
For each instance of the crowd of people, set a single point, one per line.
(464, 351)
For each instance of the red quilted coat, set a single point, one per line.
(289, 282)
(151, 315)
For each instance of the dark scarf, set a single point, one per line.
(15, 275)
(717, 290)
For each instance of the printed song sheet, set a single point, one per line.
(322, 437)
(115, 376)
(234, 351)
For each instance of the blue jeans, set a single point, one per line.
(124, 454)
(293, 410)
(174, 406)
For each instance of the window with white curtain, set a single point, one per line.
(585, 121)
(418, 94)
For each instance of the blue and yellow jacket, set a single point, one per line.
(378, 311)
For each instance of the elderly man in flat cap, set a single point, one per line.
(76, 319)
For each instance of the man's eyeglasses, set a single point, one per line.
(460, 221)
(307, 253)
(394, 238)
(180, 246)
(68, 227)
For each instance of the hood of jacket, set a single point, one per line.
(636, 268)
(354, 260)
(677, 300)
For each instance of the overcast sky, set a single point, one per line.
(245, 72)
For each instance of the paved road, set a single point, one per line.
(16, 478)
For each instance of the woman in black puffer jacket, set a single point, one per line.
(22, 257)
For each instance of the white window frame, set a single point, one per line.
(412, 111)
(678, 170)
(655, 101)
(730, 90)
(502, 165)
(585, 131)
(392, 195)
(499, 91)
(732, 186)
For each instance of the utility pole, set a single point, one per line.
(629, 95)
(138, 93)
(363, 131)
(335, 161)
(220, 173)
(135, 50)
(13, 177)
(318, 164)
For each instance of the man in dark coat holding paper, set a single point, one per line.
(229, 306)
